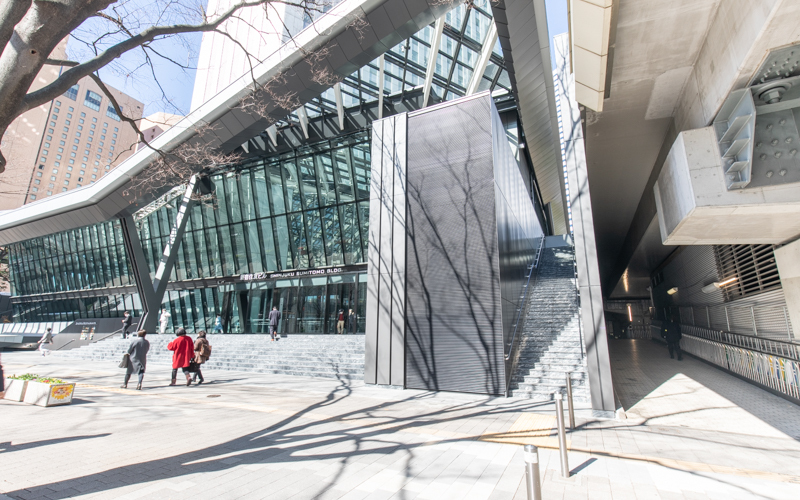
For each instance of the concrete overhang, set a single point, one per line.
(696, 208)
(522, 31)
(590, 27)
(219, 124)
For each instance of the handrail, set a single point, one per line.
(758, 344)
(524, 297)
(65, 345)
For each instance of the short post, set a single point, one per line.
(562, 434)
(532, 481)
(570, 406)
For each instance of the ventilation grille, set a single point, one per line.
(753, 266)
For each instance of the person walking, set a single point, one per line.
(218, 325)
(352, 322)
(672, 334)
(202, 351)
(340, 321)
(274, 318)
(137, 360)
(164, 321)
(126, 323)
(182, 349)
(47, 338)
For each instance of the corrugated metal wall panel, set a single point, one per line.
(454, 321)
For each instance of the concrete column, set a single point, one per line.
(787, 258)
(593, 323)
(384, 361)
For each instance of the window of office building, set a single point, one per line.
(72, 93)
(112, 113)
(92, 101)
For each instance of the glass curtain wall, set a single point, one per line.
(300, 210)
(306, 209)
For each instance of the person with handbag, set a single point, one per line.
(136, 359)
(182, 348)
(202, 351)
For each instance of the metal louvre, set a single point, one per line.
(454, 335)
(753, 266)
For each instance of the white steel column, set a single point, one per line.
(272, 132)
(483, 61)
(303, 116)
(437, 40)
(337, 92)
(380, 87)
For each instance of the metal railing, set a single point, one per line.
(778, 373)
(523, 298)
(761, 345)
(509, 352)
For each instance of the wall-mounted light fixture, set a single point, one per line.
(713, 287)
(673, 290)
(630, 314)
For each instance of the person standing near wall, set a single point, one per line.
(163, 320)
(671, 332)
(274, 318)
(218, 324)
(182, 349)
(340, 322)
(126, 323)
(352, 322)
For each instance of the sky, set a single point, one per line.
(172, 93)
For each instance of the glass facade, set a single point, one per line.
(90, 258)
(308, 209)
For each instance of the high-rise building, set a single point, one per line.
(223, 60)
(83, 139)
(154, 125)
(22, 140)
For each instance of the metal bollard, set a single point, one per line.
(562, 434)
(532, 480)
(570, 406)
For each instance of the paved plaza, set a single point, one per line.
(691, 432)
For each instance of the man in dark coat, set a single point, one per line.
(352, 322)
(274, 318)
(671, 332)
(138, 359)
(126, 323)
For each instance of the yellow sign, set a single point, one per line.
(61, 392)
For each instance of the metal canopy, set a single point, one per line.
(381, 68)
(386, 23)
(522, 32)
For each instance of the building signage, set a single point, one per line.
(302, 273)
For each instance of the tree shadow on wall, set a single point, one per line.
(455, 332)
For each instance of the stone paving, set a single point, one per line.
(691, 432)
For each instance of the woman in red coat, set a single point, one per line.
(182, 355)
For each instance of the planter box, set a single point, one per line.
(42, 394)
(15, 389)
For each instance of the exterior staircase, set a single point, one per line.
(550, 341)
(326, 356)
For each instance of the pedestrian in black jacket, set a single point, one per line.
(274, 318)
(671, 332)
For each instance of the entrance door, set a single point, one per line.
(341, 297)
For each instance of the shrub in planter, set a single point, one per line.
(49, 392)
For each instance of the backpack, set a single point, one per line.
(205, 350)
